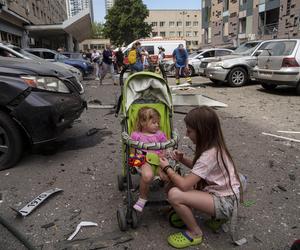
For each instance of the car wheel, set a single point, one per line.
(172, 71)
(10, 142)
(191, 70)
(298, 89)
(237, 77)
(268, 86)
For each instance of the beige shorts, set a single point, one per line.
(224, 206)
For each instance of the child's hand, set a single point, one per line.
(163, 162)
(176, 155)
(163, 176)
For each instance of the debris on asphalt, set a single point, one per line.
(75, 213)
(92, 131)
(241, 242)
(257, 239)
(195, 100)
(281, 137)
(95, 101)
(292, 177)
(46, 226)
(282, 188)
(37, 201)
(288, 132)
(95, 106)
(80, 225)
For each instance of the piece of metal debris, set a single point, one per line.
(80, 225)
(195, 100)
(241, 242)
(46, 226)
(37, 201)
(288, 132)
(281, 137)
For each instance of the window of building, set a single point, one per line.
(242, 25)
(188, 33)
(154, 23)
(179, 33)
(188, 43)
(154, 34)
(33, 8)
(161, 24)
(195, 43)
(226, 5)
(172, 33)
(179, 24)
(171, 24)
(195, 33)
(195, 23)
(162, 33)
(188, 23)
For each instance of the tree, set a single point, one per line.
(125, 22)
(97, 30)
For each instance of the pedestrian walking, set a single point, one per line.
(212, 171)
(95, 57)
(161, 54)
(180, 58)
(107, 63)
(119, 60)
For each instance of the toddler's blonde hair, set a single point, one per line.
(146, 114)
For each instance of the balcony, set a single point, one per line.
(268, 29)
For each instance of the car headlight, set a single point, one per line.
(47, 83)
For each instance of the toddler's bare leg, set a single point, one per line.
(146, 179)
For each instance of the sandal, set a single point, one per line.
(182, 240)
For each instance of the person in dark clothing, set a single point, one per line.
(120, 59)
(107, 64)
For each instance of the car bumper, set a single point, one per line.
(217, 73)
(282, 77)
(44, 116)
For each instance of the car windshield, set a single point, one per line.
(194, 54)
(246, 48)
(27, 54)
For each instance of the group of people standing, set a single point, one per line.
(106, 61)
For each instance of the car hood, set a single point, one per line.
(24, 66)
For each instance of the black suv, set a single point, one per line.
(38, 101)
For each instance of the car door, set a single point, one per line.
(207, 54)
(272, 54)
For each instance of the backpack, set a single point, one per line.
(132, 56)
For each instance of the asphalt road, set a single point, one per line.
(86, 168)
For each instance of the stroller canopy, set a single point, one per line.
(145, 85)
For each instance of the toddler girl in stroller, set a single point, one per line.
(147, 130)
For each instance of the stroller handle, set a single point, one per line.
(150, 146)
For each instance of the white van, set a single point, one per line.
(152, 44)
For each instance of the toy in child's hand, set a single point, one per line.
(136, 160)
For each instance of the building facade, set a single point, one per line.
(76, 6)
(90, 44)
(182, 24)
(14, 15)
(108, 5)
(231, 22)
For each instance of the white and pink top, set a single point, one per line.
(214, 173)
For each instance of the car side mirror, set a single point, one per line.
(200, 57)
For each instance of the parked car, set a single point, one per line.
(84, 66)
(278, 63)
(73, 55)
(195, 60)
(236, 69)
(38, 101)
(14, 51)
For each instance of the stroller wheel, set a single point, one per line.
(121, 217)
(121, 183)
(175, 220)
(135, 220)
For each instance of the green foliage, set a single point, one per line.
(125, 22)
(97, 30)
